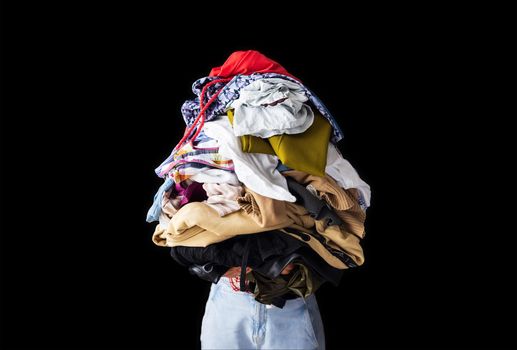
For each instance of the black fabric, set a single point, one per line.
(230, 252)
(269, 253)
(317, 208)
(271, 268)
(316, 235)
(209, 272)
(244, 264)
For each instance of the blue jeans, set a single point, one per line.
(235, 320)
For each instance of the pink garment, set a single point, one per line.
(181, 194)
(222, 197)
(193, 192)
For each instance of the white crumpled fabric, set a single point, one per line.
(256, 171)
(270, 107)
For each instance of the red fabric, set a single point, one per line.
(201, 116)
(246, 63)
(239, 62)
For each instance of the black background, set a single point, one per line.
(90, 106)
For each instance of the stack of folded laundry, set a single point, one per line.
(257, 182)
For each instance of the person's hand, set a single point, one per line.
(287, 269)
(235, 271)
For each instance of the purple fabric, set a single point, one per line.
(193, 193)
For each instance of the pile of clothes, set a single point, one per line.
(258, 182)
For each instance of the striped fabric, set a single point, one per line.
(190, 160)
